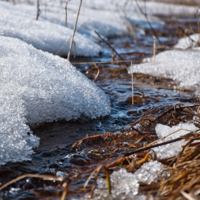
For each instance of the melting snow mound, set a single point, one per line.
(38, 87)
(181, 66)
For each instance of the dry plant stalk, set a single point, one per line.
(154, 50)
(70, 47)
(110, 47)
(38, 9)
(84, 24)
(98, 71)
(66, 12)
(97, 171)
(132, 84)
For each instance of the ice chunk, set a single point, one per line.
(181, 66)
(124, 185)
(43, 35)
(38, 87)
(188, 42)
(170, 150)
(149, 172)
(15, 144)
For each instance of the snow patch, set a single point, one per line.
(191, 41)
(171, 150)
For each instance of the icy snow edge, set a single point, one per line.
(38, 87)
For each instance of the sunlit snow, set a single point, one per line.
(38, 87)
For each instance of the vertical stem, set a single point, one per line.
(132, 83)
(70, 47)
(38, 9)
(154, 49)
(66, 12)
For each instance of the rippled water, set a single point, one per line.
(54, 157)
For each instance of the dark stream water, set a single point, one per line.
(53, 156)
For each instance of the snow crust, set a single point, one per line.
(38, 87)
(171, 150)
(44, 35)
(181, 66)
(188, 42)
(125, 185)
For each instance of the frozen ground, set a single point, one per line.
(38, 87)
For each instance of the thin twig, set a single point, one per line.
(70, 47)
(38, 9)
(111, 47)
(97, 72)
(64, 192)
(154, 49)
(66, 12)
(145, 14)
(71, 37)
(132, 84)
(97, 171)
(153, 146)
(45, 177)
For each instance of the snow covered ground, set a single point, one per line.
(108, 18)
(39, 87)
(43, 35)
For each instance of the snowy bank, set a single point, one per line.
(181, 66)
(44, 35)
(38, 87)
